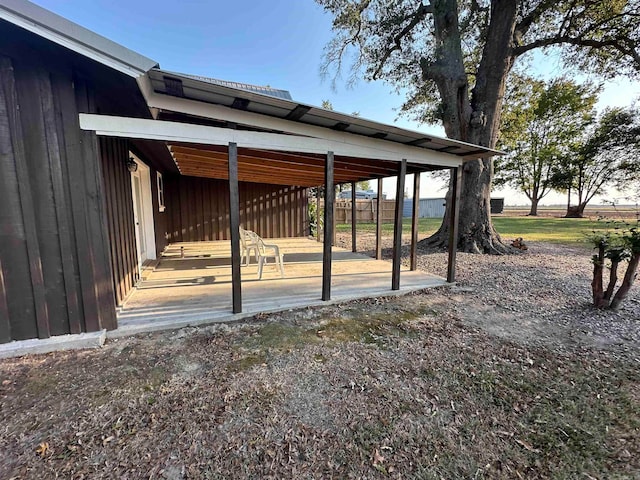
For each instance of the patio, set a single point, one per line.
(196, 289)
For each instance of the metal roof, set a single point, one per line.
(193, 88)
(266, 90)
(53, 27)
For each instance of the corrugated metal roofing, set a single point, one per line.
(266, 90)
(193, 88)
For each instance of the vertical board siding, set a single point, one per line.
(55, 265)
(96, 216)
(41, 149)
(159, 218)
(198, 209)
(114, 153)
(14, 258)
(5, 325)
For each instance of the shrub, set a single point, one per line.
(619, 244)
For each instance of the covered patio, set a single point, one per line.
(228, 135)
(196, 289)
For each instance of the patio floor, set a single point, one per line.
(196, 289)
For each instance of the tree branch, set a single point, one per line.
(419, 15)
(584, 42)
(529, 19)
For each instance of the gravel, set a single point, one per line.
(538, 297)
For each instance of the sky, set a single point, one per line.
(269, 42)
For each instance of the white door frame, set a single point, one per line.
(146, 222)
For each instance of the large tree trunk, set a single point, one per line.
(474, 120)
(533, 212)
(576, 211)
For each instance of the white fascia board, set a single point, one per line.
(59, 30)
(182, 132)
(393, 150)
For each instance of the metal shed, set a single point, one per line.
(429, 208)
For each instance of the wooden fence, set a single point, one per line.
(365, 210)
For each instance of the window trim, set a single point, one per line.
(160, 185)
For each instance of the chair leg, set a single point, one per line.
(260, 263)
(280, 261)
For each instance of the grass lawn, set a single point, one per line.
(541, 229)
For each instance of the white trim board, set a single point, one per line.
(147, 208)
(348, 145)
(220, 112)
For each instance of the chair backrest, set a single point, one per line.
(243, 237)
(255, 239)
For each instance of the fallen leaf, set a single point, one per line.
(43, 449)
(527, 445)
(377, 458)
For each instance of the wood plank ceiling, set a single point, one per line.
(280, 168)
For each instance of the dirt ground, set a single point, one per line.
(509, 374)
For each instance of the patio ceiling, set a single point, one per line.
(268, 157)
(280, 168)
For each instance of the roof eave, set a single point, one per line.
(479, 152)
(59, 30)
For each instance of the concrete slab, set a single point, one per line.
(196, 289)
(47, 345)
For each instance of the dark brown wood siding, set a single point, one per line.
(55, 270)
(159, 218)
(198, 209)
(114, 153)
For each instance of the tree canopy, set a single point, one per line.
(541, 124)
(607, 155)
(453, 59)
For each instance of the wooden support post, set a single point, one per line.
(333, 221)
(397, 228)
(234, 224)
(414, 221)
(379, 221)
(456, 181)
(354, 217)
(329, 193)
(318, 214)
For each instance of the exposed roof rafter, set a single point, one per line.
(341, 126)
(298, 112)
(240, 103)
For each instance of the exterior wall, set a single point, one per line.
(198, 209)
(114, 153)
(55, 270)
(159, 218)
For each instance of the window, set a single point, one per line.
(160, 192)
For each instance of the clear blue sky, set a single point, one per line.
(277, 43)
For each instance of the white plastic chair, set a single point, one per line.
(264, 252)
(247, 245)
